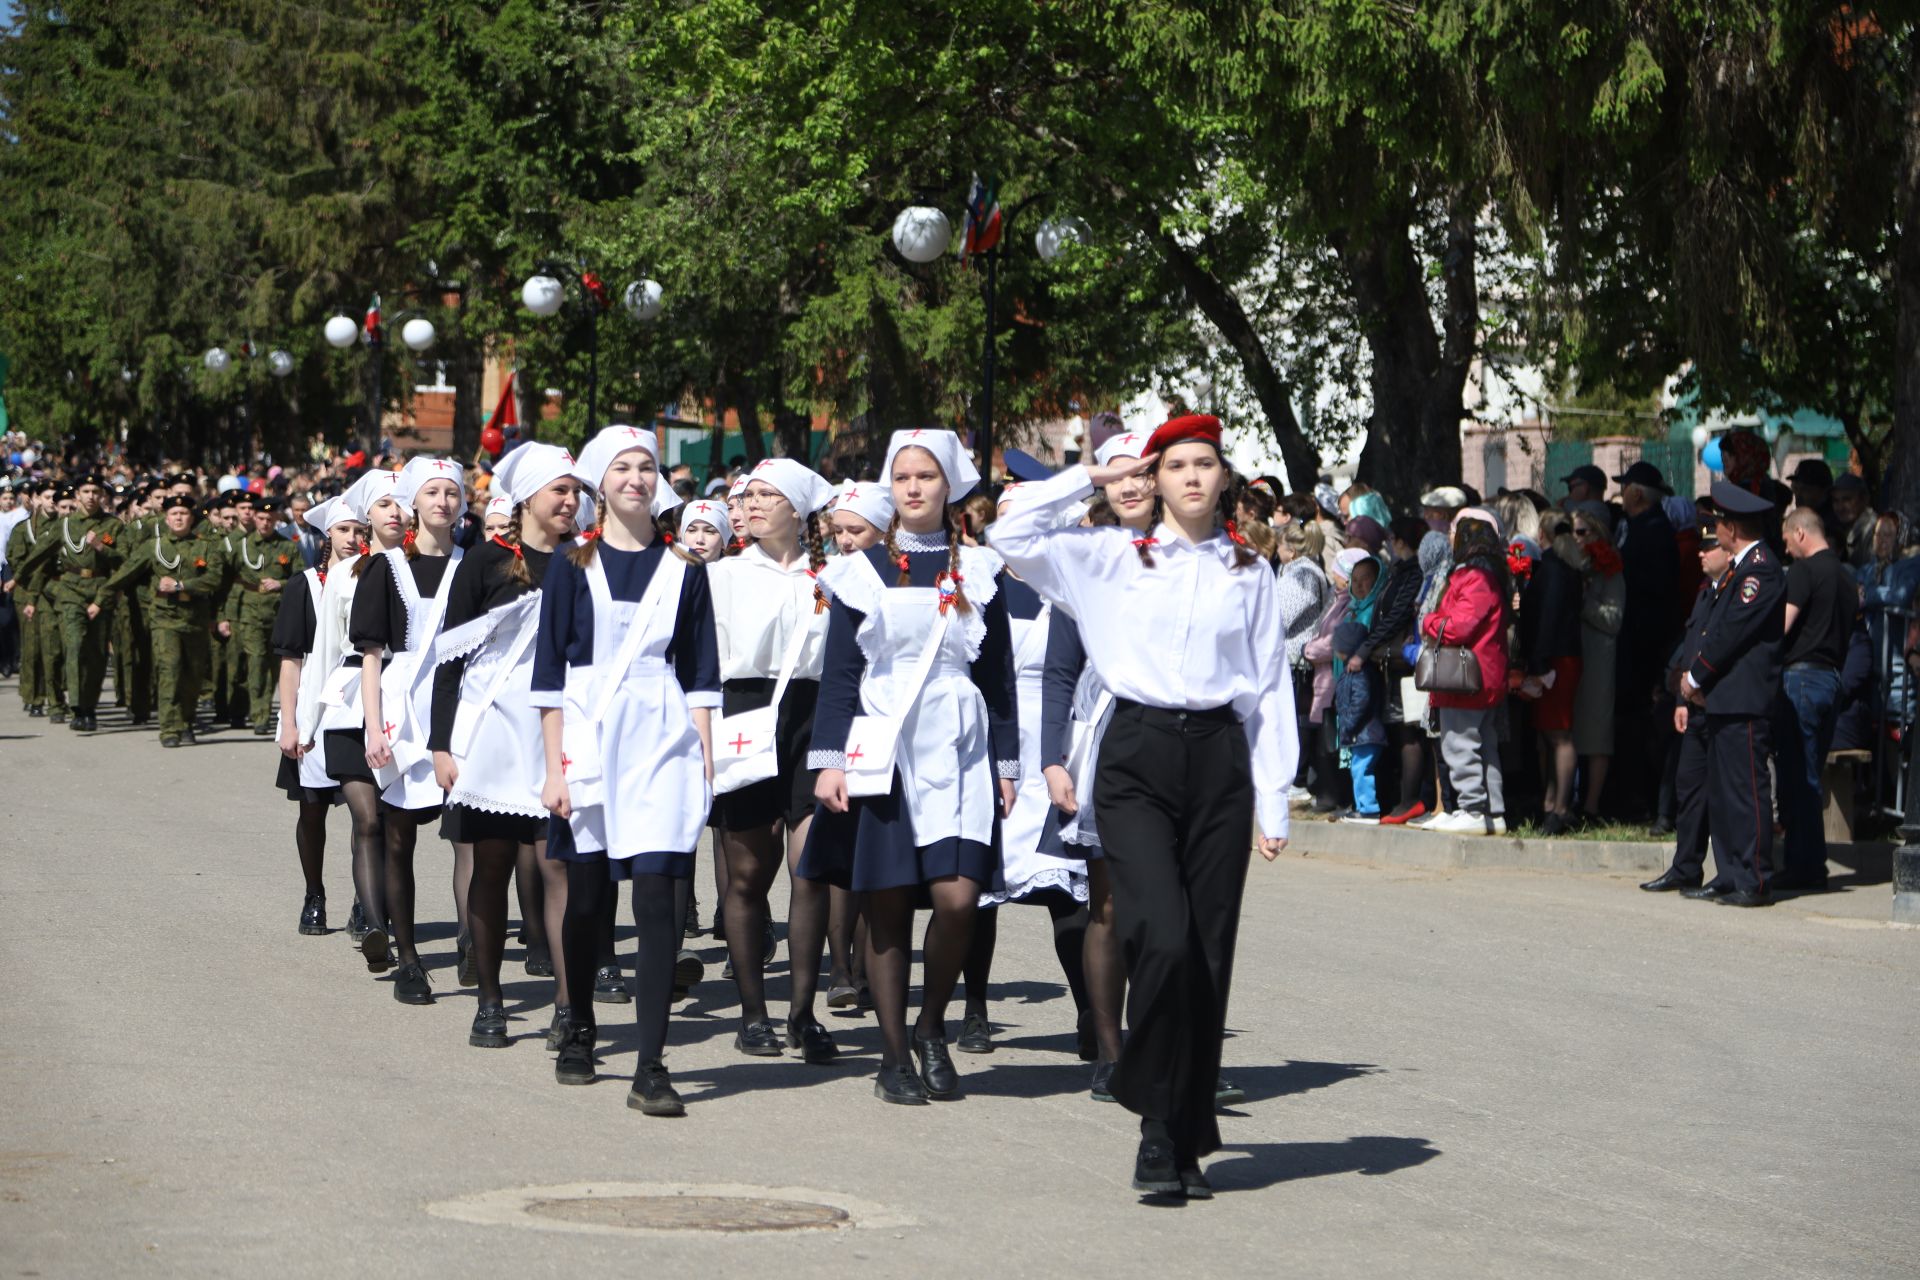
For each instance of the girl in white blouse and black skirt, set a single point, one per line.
(1182, 626)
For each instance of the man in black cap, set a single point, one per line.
(1586, 483)
(1650, 558)
(1690, 777)
(1855, 516)
(1812, 483)
(85, 552)
(1734, 679)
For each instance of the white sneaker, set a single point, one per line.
(1461, 823)
(1426, 821)
(1499, 826)
(1362, 820)
(1299, 796)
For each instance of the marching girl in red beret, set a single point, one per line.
(1182, 627)
(917, 745)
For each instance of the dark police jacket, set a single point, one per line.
(1738, 663)
(1692, 637)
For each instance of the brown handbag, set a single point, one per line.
(1445, 668)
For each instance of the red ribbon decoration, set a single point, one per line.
(1145, 542)
(591, 283)
(502, 543)
(410, 539)
(1233, 532)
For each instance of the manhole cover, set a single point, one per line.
(692, 1213)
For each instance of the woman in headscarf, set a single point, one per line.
(1602, 610)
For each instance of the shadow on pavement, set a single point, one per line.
(1288, 1078)
(1259, 1165)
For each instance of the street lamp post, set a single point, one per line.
(545, 294)
(341, 332)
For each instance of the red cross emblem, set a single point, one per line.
(441, 464)
(740, 743)
(565, 761)
(915, 434)
(766, 464)
(853, 492)
(853, 756)
(631, 433)
(390, 727)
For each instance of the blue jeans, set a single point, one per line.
(1803, 722)
(1361, 760)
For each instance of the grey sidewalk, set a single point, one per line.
(1450, 1073)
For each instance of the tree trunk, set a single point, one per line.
(529, 389)
(467, 365)
(1220, 306)
(794, 431)
(745, 404)
(1900, 490)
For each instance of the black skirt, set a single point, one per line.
(788, 795)
(463, 825)
(346, 755)
(288, 780)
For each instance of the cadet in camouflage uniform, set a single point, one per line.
(218, 524)
(264, 560)
(132, 645)
(43, 682)
(87, 549)
(184, 571)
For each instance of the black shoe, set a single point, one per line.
(864, 1000)
(1669, 880)
(1102, 1082)
(467, 972)
(410, 985)
(1085, 1041)
(1660, 828)
(575, 1063)
(313, 915)
(813, 1042)
(1746, 898)
(936, 1067)
(609, 986)
(758, 1040)
(773, 946)
(976, 1035)
(688, 970)
(356, 923)
(1326, 804)
(36, 712)
(1153, 1169)
(141, 718)
(56, 716)
(259, 730)
(489, 1028)
(169, 739)
(1705, 893)
(557, 1029)
(1194, 1184)
(1555, 824)
(1225, 1094)
(1799, 884)
(652, 1093)
(373, 945)
(899, 1084)
(186, 736)
(77, 724)
(693, 929)
(540, 965)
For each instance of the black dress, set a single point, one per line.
(293, 631)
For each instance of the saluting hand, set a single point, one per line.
(1119, 469)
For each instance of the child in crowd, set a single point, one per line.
(1358, 698)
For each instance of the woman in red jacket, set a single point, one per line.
(1473, 612)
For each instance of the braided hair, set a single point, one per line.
(517, 571)
(1226, 514)
(583, 551)
(951, 519)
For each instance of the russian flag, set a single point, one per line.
(982, 231)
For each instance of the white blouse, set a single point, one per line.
(1190, 633)
(756, 606)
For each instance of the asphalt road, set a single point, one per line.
(1458, 1073)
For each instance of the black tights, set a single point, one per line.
(753, 860)
(310, 838)
(403, 832)
(369, 849)
(889, 915)
(1411, 740)
(659, 907)
(1105, 966)
(1069, 947)
(494, 862)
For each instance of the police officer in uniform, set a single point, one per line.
(184, 571)
(1734, 680)
(1690, 777)
(85, 551)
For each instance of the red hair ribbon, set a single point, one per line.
(365, 546)
(1233, 532)
(903, 562)
(593, 534)
(947, 593)
(666, 537)
(1145, 542)
(412, 536)
(504, 545)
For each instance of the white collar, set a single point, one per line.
(754, 553)
(1166, 537)
(1744, 552)
(906, 540)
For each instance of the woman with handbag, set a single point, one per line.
(626, 676)
(917, 746)
(1182, 625)
(770, 623)
(1463, 667)
(485, 733)
(396, 614)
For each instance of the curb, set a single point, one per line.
(1439, 851)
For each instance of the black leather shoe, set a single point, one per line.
(609, 986)
(410, 985)
(652, 1093)
(313, 915)
(1705, 893)
(1194, 1184)
(77, 724)
(575, 1063)
(1086, 1043)
(693, 929)
(39, 712)
(1669, 880)
(688, 970)
(976, 1035)
(187, 737)
(467, 972)
(936, 1067)
(56, 717)
(813, 1042)
(757, 1039)
(540, 965)
(1746, 898)
(169, 739)
(773, 946)
(356, 923)
(1661, 828)
(489, 1028)
(900, 1085)
(1153, 1169)
(1102, 1082)
(1225, 1093)
(373, 945)
(557, 1029)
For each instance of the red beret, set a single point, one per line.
(1192, 426)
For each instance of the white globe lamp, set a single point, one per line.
(542, 295)
(342, 332)
(643, 299)
(1055, 234)
(418, 333)
(921, 233)
(216, 360)
(1700, 437)
(279, 363)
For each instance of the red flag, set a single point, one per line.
(982, 231)
(507, 412)
(372, 323)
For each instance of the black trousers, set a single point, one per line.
(1740, 801)
(1690, 798)
(1175, 797)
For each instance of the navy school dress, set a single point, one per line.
(871, 847)
(566, 639)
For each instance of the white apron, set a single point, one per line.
(654, 774)
(307, 709)
(1092, 711)
(1025, 868)
(406, 691)
(338, 704)
(496, 730)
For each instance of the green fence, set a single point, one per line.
(1675, 460)
(1562, 457)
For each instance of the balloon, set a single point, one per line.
(493, 440)
(15, 459)
(1711, 455)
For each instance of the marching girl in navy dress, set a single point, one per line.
(396, 615)
(935, 831)
(627, 678)
(375, 503)
(296, 636)
(485, 733)
(1183, 627)
(770, 619)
